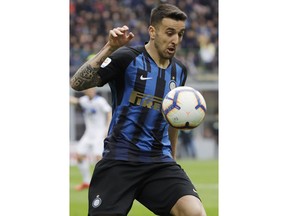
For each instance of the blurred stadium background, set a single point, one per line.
(90, 22)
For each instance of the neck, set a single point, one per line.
(152, 51)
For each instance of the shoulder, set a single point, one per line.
(116, 64)
(123, 56)
(179, 63)
(181, 68)
(100, 99)
(102, 102)
(83, 100)
(126, 51)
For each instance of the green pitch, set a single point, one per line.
(203, 173)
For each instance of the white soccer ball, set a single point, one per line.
(184, 107)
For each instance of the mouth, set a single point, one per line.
(171, 50)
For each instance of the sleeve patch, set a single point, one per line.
(106, 62)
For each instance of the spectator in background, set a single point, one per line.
(86, 36)
(97, 116)
(187, 142)
(207, 53)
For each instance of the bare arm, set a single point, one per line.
(109, 117)
(173, 136)
(74, 100)
(86, 76)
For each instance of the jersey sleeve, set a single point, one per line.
(115, 65)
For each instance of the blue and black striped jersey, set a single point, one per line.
(138, 131)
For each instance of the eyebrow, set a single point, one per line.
(173, 29)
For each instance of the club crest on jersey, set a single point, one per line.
(106, 62)
(96, 202)
(172, 84)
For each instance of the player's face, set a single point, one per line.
(90, 92)
(168, 36)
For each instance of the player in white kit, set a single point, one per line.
(97, 116)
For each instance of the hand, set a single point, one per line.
(118, 37)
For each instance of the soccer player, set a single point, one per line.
(97, 116)
(139, 151)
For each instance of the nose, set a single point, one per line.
(176, 39)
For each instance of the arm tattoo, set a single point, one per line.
(86, 77)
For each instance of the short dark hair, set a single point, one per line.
(166, 11)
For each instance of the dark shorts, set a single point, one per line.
(158, 186)
(115, 185)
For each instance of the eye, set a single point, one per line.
(181, 34)
(170, 33)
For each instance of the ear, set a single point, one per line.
(152, 32)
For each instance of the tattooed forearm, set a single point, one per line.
(86, 77)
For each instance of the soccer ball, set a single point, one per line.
(184, 107)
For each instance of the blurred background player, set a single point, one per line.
(187, 145)
(97, 116)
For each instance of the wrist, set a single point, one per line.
(110, 48)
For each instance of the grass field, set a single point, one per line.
(203, 173)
